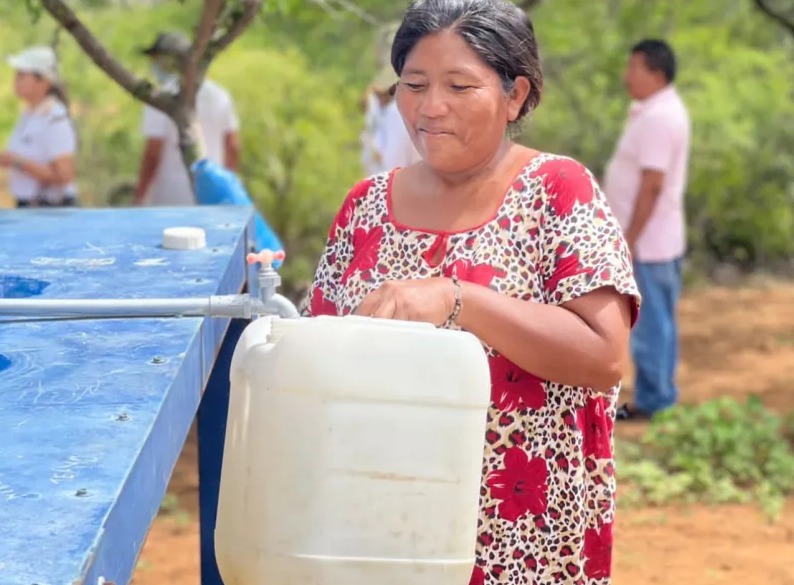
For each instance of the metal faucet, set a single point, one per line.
(269, 280)
(240, 306)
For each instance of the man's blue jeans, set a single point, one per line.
(654, 340)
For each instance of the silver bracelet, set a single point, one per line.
(458, 302)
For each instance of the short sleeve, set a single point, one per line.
(155, 123)
(61, 138)
(582, 246)
(656, 144)
(336, 257)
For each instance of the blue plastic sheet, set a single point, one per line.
(216, 185)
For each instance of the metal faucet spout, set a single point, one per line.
(281, 306)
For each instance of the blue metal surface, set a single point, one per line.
(94, 413)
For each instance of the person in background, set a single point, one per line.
(645, 183)
(41, 150)
(519, 248)
(163, 178)
(386, 142)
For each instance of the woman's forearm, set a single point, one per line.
(548, 341)
(44, 173)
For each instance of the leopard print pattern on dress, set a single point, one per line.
(548, 482)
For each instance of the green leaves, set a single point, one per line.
(300, 148)
(737, 79)
(719, 451)
(736, 74)
(34, 9)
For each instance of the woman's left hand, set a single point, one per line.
(428, 300)
(6, 159)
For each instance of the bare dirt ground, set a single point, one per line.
(735, 341)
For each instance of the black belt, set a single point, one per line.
(65, 202)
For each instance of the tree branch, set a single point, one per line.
(240, 19)
(138, 87)
(196, 65)
(779, 18)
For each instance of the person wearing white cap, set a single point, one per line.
(163, 179)
(40, 152)
(386, 144)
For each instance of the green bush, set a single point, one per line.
(297, 75)
(736, 74)
(300, 124)
(719, 451)
(300, 147)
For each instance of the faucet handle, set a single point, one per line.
(266, 257)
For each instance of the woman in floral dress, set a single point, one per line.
(517, 247)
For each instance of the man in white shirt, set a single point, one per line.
(386, 142)
(163, 178)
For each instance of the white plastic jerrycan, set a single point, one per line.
(353, 454)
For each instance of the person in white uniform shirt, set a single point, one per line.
(40, 153)
(163, 178)
(385, 140)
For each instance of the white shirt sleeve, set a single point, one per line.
(61, 138)
(155, 123)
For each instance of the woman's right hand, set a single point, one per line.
(429, 300)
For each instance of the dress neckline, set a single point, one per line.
(494, 216)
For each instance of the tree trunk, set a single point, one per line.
(191, 142)
(234, 19)
(784, 20)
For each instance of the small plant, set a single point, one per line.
(788, 428)
(720, 451)
(180, 518)
(170, 504)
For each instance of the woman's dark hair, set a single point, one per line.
(57, 90)
(658, 55)
(497, 30)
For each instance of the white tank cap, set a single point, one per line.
(184, 238)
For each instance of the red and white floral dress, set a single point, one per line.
(548, 482)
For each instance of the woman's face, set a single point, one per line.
(29, 86)
(454, 105)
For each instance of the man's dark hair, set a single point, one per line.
(497, 30)
(658, 55)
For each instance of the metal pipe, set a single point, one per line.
(241, 306)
